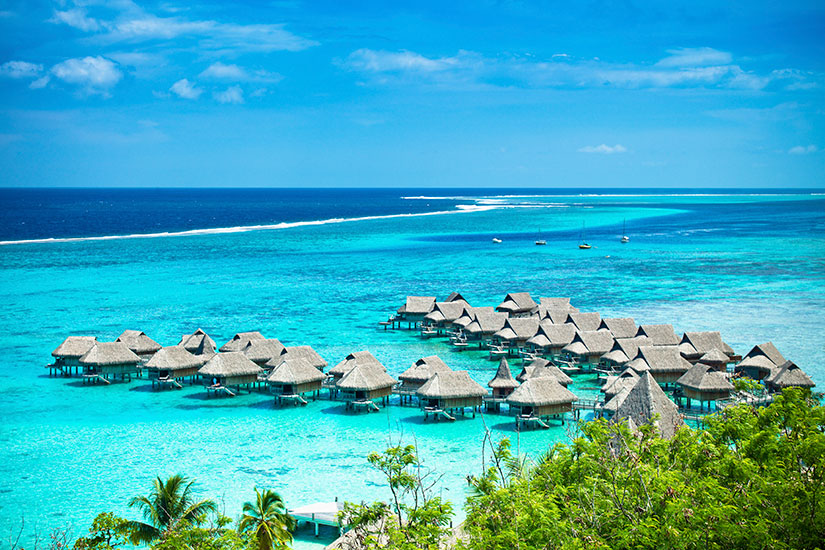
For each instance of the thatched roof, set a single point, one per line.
(660, 335)
(109, 353)
(262, 351)
(662, 359)
(519, 328)
(757, 362)
(486, 322)
(595, 342)
(198, 343)
(470, 314)
(423, 369)
(302, 352)
(446, 312)
(619, 327)
(614, 384)
(539, 371)
(455, 297)
(701, 377)
(715, 358)
(556, 303)
(296, 370)
(366, 377)
(556, 316)
(451, 385)
(174, 358)
(75, 346)
(517, 302)
(353, 359)
(503, 378)
(417, 305)
(241, 340)
(232, 363)
(553, 335)
(789, 375)
(647, 399)
(619, 394)
(588, 321)
(537, 392)
(625, 349)
(138, 342)
(766, 350)
(696, 344)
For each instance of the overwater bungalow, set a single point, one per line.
(660, 335)
(261, 352)
(414, 310)
(786, 376)
(619, 327)
(198, 343)
(695, 344)
(304, 352)
(444, 314)
(588, 347)
(623, 351)
(518, 304)
(484, 326)
(613, 385)
(562, 304)
(537, 399)
(715, 359)
(704, 384)
(665, 363)
(172, 364)
(469, 315)
(645, 401)
(228, 370)
(417, 375)
(293, 378)
(350, 361)
(140, 344)
(241, 340)
(760, 362)
(109, 359)
(365, 383)
(447, 392)
(554, 316)
(516, 331)
(551, 338)
(542, 367)
(502, 383)
(67, 355)
(585, 321)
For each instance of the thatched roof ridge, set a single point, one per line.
(241, 340)
(198, 343)
(109, 353)
(451, 385)
(519, 328)
(767, 350)
(550, 370)
(536, 392)
(504, 377)
(595, 342)
(355, 358)
(517, 302)
(663, 359)
(701, 377)
(366, 377)
(619, 327)
(75, 346)
(585, 321)
(469, 315)
(647, 399)
(551, 334)
(455, 297)
(423, 369)
(296, 370)
(417, 305)
(138, 342)
(758, 362)
(789, 375)
(304, 352)
(714, 357)
(696, 344)
(625, 349)
(556, 303)
(263, 350)
(446, 311)
(174, 358)
(486, 322)
(231, 363)
(660, 335)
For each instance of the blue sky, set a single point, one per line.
(420, 94)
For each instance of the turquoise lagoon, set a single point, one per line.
(751, 266)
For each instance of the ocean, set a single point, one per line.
(322, 268)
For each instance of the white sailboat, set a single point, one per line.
(625, 238)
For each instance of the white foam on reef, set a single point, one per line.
(460, 209)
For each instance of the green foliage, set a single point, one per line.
(753, 478)
(266, 518)
(107, 532)
(748, 385)
(186, 536)
(414, 520)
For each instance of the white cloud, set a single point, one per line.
(77, 18)
(233, 94)
(803, 150)
(40, 82)
(185, 89)
(95, 75)
(695, 57)
(603, 149)
(224, 72)
(20, 69)
(384, 61)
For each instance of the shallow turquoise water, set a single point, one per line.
(751, 267)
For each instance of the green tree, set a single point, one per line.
(107, 532)
(169, 504)
(186, 536)
(267, 520)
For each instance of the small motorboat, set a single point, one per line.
(496, 240)
(585, 246)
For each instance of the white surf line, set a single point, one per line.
(460, 209)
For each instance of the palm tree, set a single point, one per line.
(267, 519)
(168, 505)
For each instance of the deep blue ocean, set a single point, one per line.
(323, 267)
